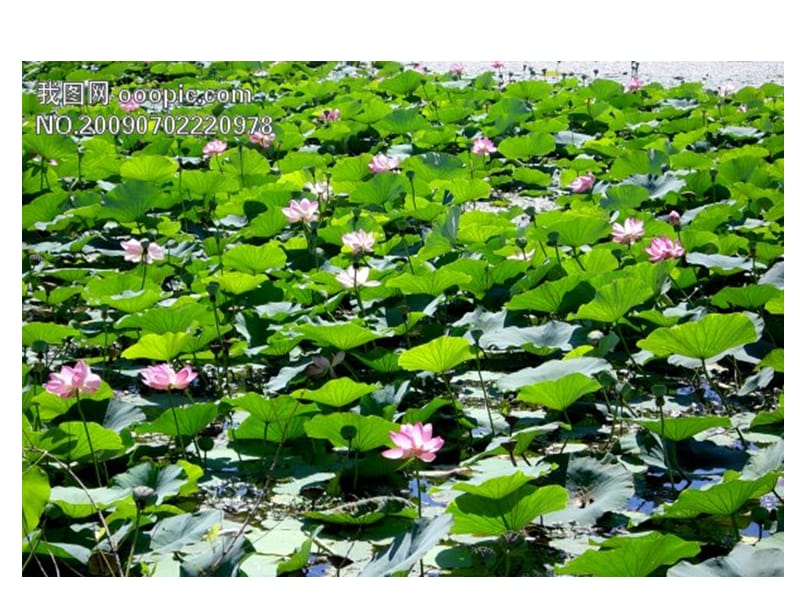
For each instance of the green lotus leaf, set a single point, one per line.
(626, 556)
(164, 347)
(410, 547)
(337, 392)
(366, 512)
(191, 420)
(710, 336)
(49, 333)
(613, 301)
(254, 259)
(527, 146)
(431, 283)
(342, 336)
(560, 393)
(148, 168)
(480, 515)
(349, 430)
(437, 356)
(35, 494)
(682, 428)
(724, 498)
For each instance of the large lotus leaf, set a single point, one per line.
(594, 489)
(349, 430)
(560, 393)
(527, 146)
(553, 297)
(76, 503)
(43, 209)
(434, 165)
(743, 561)
(207, 183)
(220, 559)
(271, 410)
(767, 418)
(238, 283)
(496, 487)
(254, 259)
(251, 164)
(129, 201)
(553, 369)
(265, 225)
(437, 356)
(164, 347)
(705, 338)
(553, 334)
(657, 186)
(573, 229)
(148, 168)
(337, 392)
(613, 301)
(401, 120)
(132, 301)
(721, 261)
(342, 336)
(749, 296)
(191, 420)
(276, 431)
(765, 461)
(479, 515)
(173, 533)
(724, 498)
(168, 319)
(50, 333)
(402, 83)
(623, 556)
(681, 428)
(121, 415)
(69, 441)
(166, 481)
(365, 512)
(382, 188)
(624, 197)
(409, 547)
(431, 283)
(35, 494)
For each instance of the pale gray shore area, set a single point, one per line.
(668, 73)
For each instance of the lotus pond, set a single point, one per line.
(360, 319)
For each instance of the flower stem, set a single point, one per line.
(483, 388)
(177, 427)
(88, 438)
(133, 544)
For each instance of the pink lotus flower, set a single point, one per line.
(213, 148)
(72, 380)
(381, 163)
(421, 69)
(359, 242)
(634, 84)
(627, 233)
(674, 217)
(134, 251)
(262, 139)
(483, 147)
(129, 106)
(352, 277)
(457, 69)
(497, 65)
(330, 115)
(163, 377)
(306, 211)
(414, 441)
(583, 183)
(662, 248)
